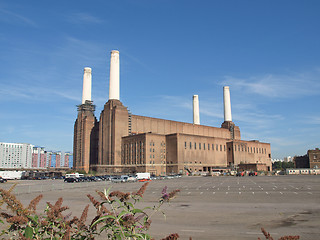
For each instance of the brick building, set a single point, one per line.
(122, 142)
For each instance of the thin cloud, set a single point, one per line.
(83, 18)
(312, 120)
(12, 17)
(277, 86)
(84, 52)
(136, 60)
(22, 93)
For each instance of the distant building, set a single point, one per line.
(53, 160)
(301, 161)
(39, 157)
(15, 155)
(24, 155)
(288, 159)
(276, 160)
(310, 160)
(58, 159)
(49, 158)
(67, 159)
(314, 158)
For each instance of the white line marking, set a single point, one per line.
(267, 193)
(281, 193)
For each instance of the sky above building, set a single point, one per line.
(268, 52)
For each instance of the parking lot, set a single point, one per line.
(207, 207)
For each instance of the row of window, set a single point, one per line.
(199, 146)
(218, 147)
(242, 148)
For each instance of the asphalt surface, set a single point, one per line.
(207, 207)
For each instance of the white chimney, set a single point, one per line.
(227, 104)
(114, 84)
(86, 90)
(196, 115)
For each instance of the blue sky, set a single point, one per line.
(266, 51)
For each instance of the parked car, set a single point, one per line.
(116, 179)
(240, 174)
(2, 180)
(131, 178)
(70, 180)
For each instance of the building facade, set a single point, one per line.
(15, 155)
(314, 158)
(121, 142)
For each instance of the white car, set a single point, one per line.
(132, 179)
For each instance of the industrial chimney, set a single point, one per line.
(114, 84)
(86, 90)
(196, 115)
(227, 104)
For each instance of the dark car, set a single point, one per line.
(240, 174)
(2, 180)
(70, 180)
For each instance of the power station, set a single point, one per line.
(121, 142)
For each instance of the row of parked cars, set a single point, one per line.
(122, 178)
(117, 178)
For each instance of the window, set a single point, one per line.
(204, 146)
(224, 146)
(208, 146)
(185, 145)
(217, 147)
(195, 145)
(220, 147)
(190, 145)
(200, 146)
